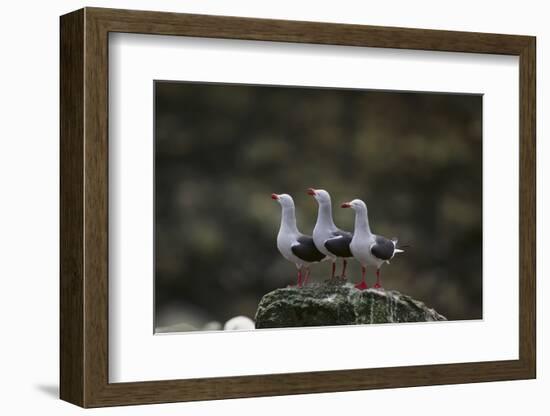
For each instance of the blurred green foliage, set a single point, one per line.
(221, 150)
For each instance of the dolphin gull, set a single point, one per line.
(328, 238)
(366, 247)
(296, 247)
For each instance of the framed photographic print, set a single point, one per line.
(255, 207)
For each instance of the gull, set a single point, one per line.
(328, 238)
(369, 249)
(296, 247)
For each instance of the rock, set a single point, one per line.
(337, 303)
(179, 327)
(239, 323)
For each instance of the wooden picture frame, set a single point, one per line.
(84, 207)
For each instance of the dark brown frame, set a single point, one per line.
(84, 214)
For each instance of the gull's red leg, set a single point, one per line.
(307, 276)
(299, 283)
(363, 285)
(345, 263)
(333, 269)
(378, 285)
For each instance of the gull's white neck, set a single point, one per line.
(288, 220)
(324, 215)
(362, 226)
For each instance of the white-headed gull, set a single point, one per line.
(328, 238)
(293, 245)
(368, 248)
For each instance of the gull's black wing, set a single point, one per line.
(383, 248)
(339, 244)
(305, 249)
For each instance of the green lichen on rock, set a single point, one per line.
(338, 303)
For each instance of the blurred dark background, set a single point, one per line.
(221, 150)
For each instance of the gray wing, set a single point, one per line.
(306, 250)
(339, 244)
(383, 248)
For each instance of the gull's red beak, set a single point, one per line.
(274, 196)
(311, 191)
(346, 205)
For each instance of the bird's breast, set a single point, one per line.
(284, 245)
(321, 235)
(360, 248)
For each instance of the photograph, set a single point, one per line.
(275, 204)
(291, 206)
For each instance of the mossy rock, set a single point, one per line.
(338, 303)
